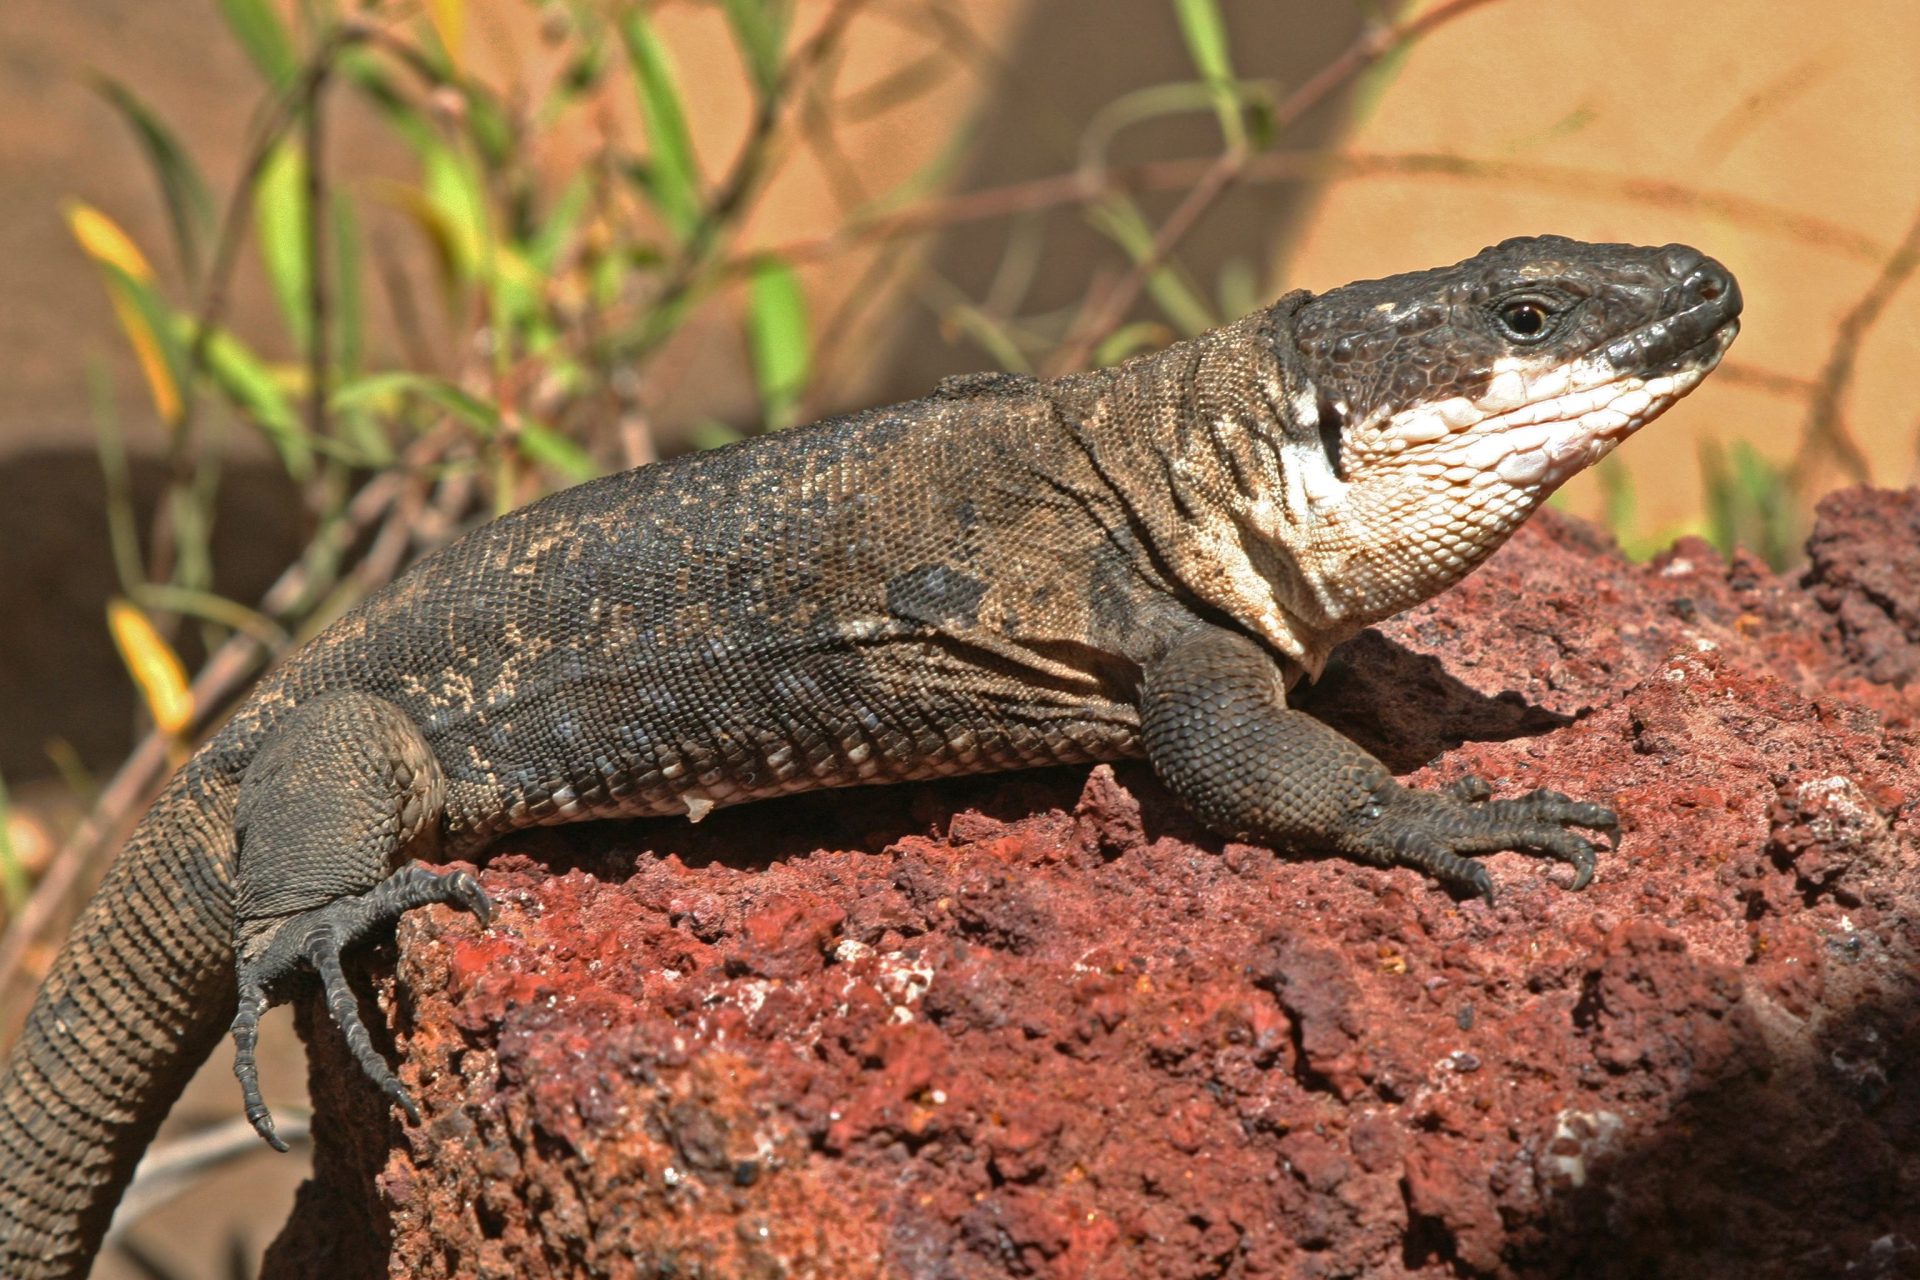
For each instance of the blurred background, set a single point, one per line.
(291, 291)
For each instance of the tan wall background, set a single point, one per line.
(1783, 138)
(1731, 118)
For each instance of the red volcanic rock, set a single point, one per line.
(1043, 1026)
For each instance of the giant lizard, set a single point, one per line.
(1138, 560)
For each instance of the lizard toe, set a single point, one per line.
(464, 892)
(1471, 789)
(246, 1068)
(1467, 876)
(323, 953)
(1552, 806)
(1461, 874)
(1441, 831)
(1523, 830)
(312, 942)
(1562, 846)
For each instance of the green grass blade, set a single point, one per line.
(154, 321)
(1722, 521)
(208, 606)
(261, 33)
(778, 338)
(993, 335)
(280, 223)
(123, 534)
(552, 450)
(714, 434)
(1238, 287)
(252, 389)
(458, 196)
(545, 245)
(189, 204)
(1620, 504)
(347, 301)
(1769, 509)
(380, 393)
(759, 28)
(1205, 32)
(673, 175)
(1119, 219)
(13, 877)
(490, 127)
(1154, 102)
(1129, 339)
(375, 83)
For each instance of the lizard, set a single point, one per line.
(1010, 572)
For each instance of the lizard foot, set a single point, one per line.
(317, 937)
(1438, 831)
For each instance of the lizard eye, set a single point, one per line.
(1525, 319)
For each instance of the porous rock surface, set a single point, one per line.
(1041, 1025)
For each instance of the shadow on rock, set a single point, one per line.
(1802, 1159)
(1407, 709)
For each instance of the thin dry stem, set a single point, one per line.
(1826, 427)
(319, 312)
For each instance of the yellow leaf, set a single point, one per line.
(109, 246)
(106, 242)
(154, 666)
(449, 18)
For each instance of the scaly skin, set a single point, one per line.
(1138, 560)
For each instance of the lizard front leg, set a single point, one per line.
(342, 793)
(1219, 733)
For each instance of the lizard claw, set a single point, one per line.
(317, 938)
(1439, 831)
(1414, 847)
(1464, 874)
(246, 1037)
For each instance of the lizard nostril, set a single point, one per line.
(1712, 283)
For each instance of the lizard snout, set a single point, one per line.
(1701, 282)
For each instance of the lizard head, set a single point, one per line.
(1434, 411)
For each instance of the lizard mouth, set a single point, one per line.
(1533, 428)
(1583, 428)
(1694, 337)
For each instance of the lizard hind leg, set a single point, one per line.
(343, 792)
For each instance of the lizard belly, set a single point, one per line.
(729, 723)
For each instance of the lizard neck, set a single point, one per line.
(1213, 445)
(1224, 452)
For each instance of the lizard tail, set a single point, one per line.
(136, 1000)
